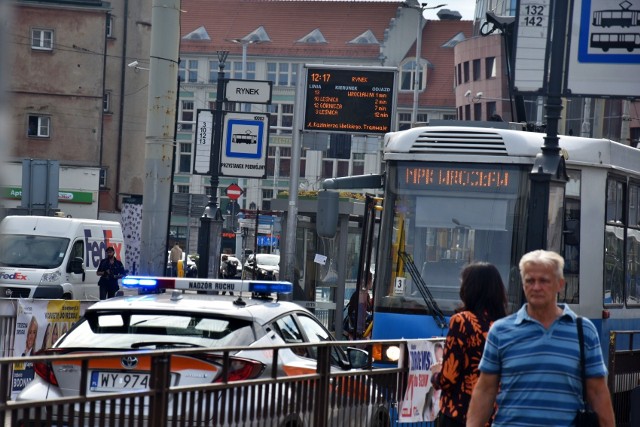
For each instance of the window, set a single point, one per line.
(184, 157)
(186, 116)
(467, 112)
(213, 71)
(404, 120)
(633, 246)
(570, 293)
(188, 70)
(182, 189)
(236, 67)
(476, 69)
(106, 102)
(110, 26)
(281, 118)
(490, 68)
(41, 39)
(465, 68)
(448, 117)
(491, 109)
(614, 240)
(408, 74)
(103, 178)
(282, 73)
(459, 74)
(283, 155)
(358, 164)
(39, 126)
(477, 111)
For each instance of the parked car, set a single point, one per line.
(262, 267)
(180, 320)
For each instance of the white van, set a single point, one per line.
(50, 257)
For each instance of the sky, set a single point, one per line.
(465, 7)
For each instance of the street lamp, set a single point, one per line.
(420, 7)
(209, 237)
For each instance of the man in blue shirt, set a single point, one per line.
(531, 361)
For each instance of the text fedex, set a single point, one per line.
(96, 249)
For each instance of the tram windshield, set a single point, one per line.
(446, 215)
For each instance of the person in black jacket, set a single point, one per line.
(109, 270)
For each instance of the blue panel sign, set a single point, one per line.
(244, 151)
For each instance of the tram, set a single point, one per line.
(453, 195)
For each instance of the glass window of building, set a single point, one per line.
(188, 70)
(186, 122)
(476, 70)
(490, 67)
(408, 76)
(184, 157)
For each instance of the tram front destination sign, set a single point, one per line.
(349, 99)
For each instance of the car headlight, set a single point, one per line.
(52, 277)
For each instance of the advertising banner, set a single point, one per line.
(421, 400)
(39, 324)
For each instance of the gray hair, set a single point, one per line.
(542, 257)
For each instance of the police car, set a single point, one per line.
(187, 315)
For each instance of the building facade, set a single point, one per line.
(75, 100)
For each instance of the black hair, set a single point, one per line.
(482, 290)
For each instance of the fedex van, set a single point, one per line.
(50, 257)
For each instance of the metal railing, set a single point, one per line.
(328, 396)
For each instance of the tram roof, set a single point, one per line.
(476, 144)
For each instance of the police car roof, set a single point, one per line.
(259, 310)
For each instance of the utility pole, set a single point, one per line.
(210, 235)
(163, 73)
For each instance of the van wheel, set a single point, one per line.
(67, 295)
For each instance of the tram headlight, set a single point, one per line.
(386, 353)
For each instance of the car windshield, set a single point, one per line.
(130, 329)
(23, 250)
(268, 259)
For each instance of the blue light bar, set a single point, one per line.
(139, 282)
(270, 287)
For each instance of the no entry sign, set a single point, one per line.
(234, 191)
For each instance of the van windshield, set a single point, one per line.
(22, 250)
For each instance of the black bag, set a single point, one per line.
(585, 417)
(232, 270)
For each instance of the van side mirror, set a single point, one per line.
(76, 265)
(327, 218)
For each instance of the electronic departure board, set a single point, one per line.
(350, 100)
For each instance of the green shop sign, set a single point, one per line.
(64, 196)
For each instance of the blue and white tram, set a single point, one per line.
(459, 194)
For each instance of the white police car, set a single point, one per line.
(178, 319)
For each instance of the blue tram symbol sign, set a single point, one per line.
(244, 151)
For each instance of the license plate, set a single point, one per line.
(118, 381)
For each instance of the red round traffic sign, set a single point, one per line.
(234, 191)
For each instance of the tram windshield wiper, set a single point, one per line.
(429, 300)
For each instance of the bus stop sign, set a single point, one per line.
(234, 191)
